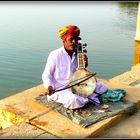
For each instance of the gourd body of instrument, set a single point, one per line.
(86, 85)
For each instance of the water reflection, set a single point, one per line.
(127, 17)
(129, 7)
(29, 32)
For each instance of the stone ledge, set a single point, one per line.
(24, 105)
(128, 128)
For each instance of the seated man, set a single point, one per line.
(61, 63)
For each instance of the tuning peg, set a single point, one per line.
(84, 51)
(85, 44)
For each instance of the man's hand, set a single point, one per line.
(85, 59)
(49, 91)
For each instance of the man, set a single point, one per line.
(61, 63)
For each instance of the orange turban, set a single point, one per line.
(70, 30)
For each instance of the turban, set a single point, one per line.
(70, 30)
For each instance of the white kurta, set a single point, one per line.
(59, 68)
(57, 72)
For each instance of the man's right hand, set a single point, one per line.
(49, 91)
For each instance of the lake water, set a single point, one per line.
(29, 31)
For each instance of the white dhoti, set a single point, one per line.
(74, 101)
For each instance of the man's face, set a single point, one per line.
(70, 43)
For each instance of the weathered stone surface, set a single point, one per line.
(47, 135)
(129, 78)
(21, 130)
(60, 126)
(8, 119)
(128, 128)
(25, 105)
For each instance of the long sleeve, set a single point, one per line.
(48, 72)
(58, 69)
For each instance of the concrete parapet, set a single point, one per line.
(137, 37)
(136, 52)
(137, 40)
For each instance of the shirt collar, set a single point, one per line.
(63, 49)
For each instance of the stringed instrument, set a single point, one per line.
(85, 79)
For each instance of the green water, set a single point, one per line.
(28, 32)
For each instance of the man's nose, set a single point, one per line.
(74, 41)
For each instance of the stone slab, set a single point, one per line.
(21, 130)
(46, 135)
(25, 105)
(128, 128)
(135, 83)
(130, 78)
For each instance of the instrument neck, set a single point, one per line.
(80, 62)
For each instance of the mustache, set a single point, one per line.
(75, 44)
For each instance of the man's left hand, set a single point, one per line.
(85, 60)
